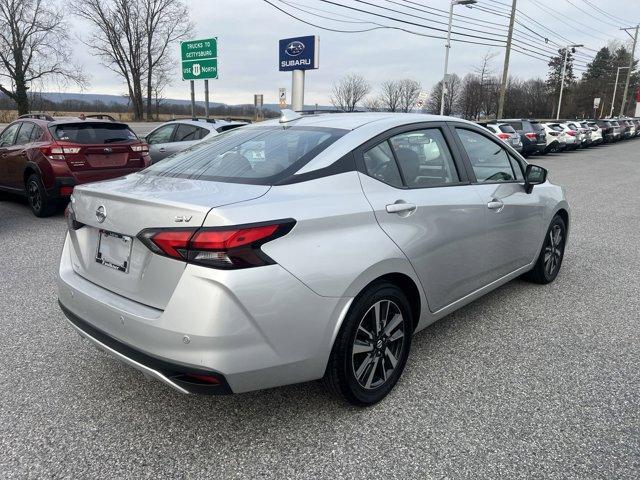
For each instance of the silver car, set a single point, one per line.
(304, 248)
(177, 135)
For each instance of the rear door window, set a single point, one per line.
(24, 134)
(93, 133)
(8, 136)
(489, 160)
(424, 158)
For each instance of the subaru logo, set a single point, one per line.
(295, 48)
(101, 214)
(107, 149)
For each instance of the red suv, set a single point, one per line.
(44, 157)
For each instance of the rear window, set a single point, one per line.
(537, 127)
(516, 125)
(88, 133)
(257, 155)
(507, 129)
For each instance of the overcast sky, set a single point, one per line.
(248, 32)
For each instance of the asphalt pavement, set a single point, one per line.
(528, 382)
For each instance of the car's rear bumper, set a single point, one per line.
(169, 373)
(256, 328)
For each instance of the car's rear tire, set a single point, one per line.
(41, 204)
(551, 254)
(372, 346)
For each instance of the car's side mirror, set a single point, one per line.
(534, 175)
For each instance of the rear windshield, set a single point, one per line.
(537, 126)
(88, 132)
(257, 155)
(507, 129)
(224, 128)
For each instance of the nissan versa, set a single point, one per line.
(304, 248)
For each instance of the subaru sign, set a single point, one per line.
(300, 53)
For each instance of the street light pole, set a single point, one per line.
(447, 47)
(564, 69)
(626, 84)
(615, 89)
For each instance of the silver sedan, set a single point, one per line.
(304, 248)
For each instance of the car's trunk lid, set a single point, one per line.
(132, 204)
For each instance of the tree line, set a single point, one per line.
(475, 96)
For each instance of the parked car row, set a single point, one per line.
(45, 157)
(536, 137)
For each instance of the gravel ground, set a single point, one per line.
(528, 382)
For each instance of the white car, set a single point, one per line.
(176, 135)
(596, 133)
(556, 137)
(572, 141)
(506, 133)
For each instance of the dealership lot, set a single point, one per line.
(528, 381)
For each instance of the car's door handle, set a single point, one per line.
(401, 208)
(162, 149)
(495, 204)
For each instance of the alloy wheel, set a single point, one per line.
(378, 344)
(33, 193)
(553, 250)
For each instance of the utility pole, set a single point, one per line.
(615, 89)
(505, 68)
(633, 52)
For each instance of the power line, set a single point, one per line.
(607, 14)
(380, 27)
(595, 17)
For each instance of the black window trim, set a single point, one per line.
(510, 151)
(463, 174)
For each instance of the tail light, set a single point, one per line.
(571, 133)
(57, 152)
(140, 148)
(218, 247)
(530, 136)
(504, 136)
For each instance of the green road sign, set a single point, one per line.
(199, 59)
(200, 69)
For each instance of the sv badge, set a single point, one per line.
(183, 218)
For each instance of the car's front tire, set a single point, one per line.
(372, 346)
(550, 258)
(41, 205)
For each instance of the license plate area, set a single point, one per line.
(114, 250)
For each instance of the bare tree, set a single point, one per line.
(347, 92)
(409, 93)
(33, 48)
(373, 104)
(451, 98)
(390, 95)
(166, 22)
(132, 38)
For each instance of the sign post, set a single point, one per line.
(258, 101)
(282, 97)
(199, 61)
(596, 104)
(297, 55)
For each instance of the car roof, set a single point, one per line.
(352, 121)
